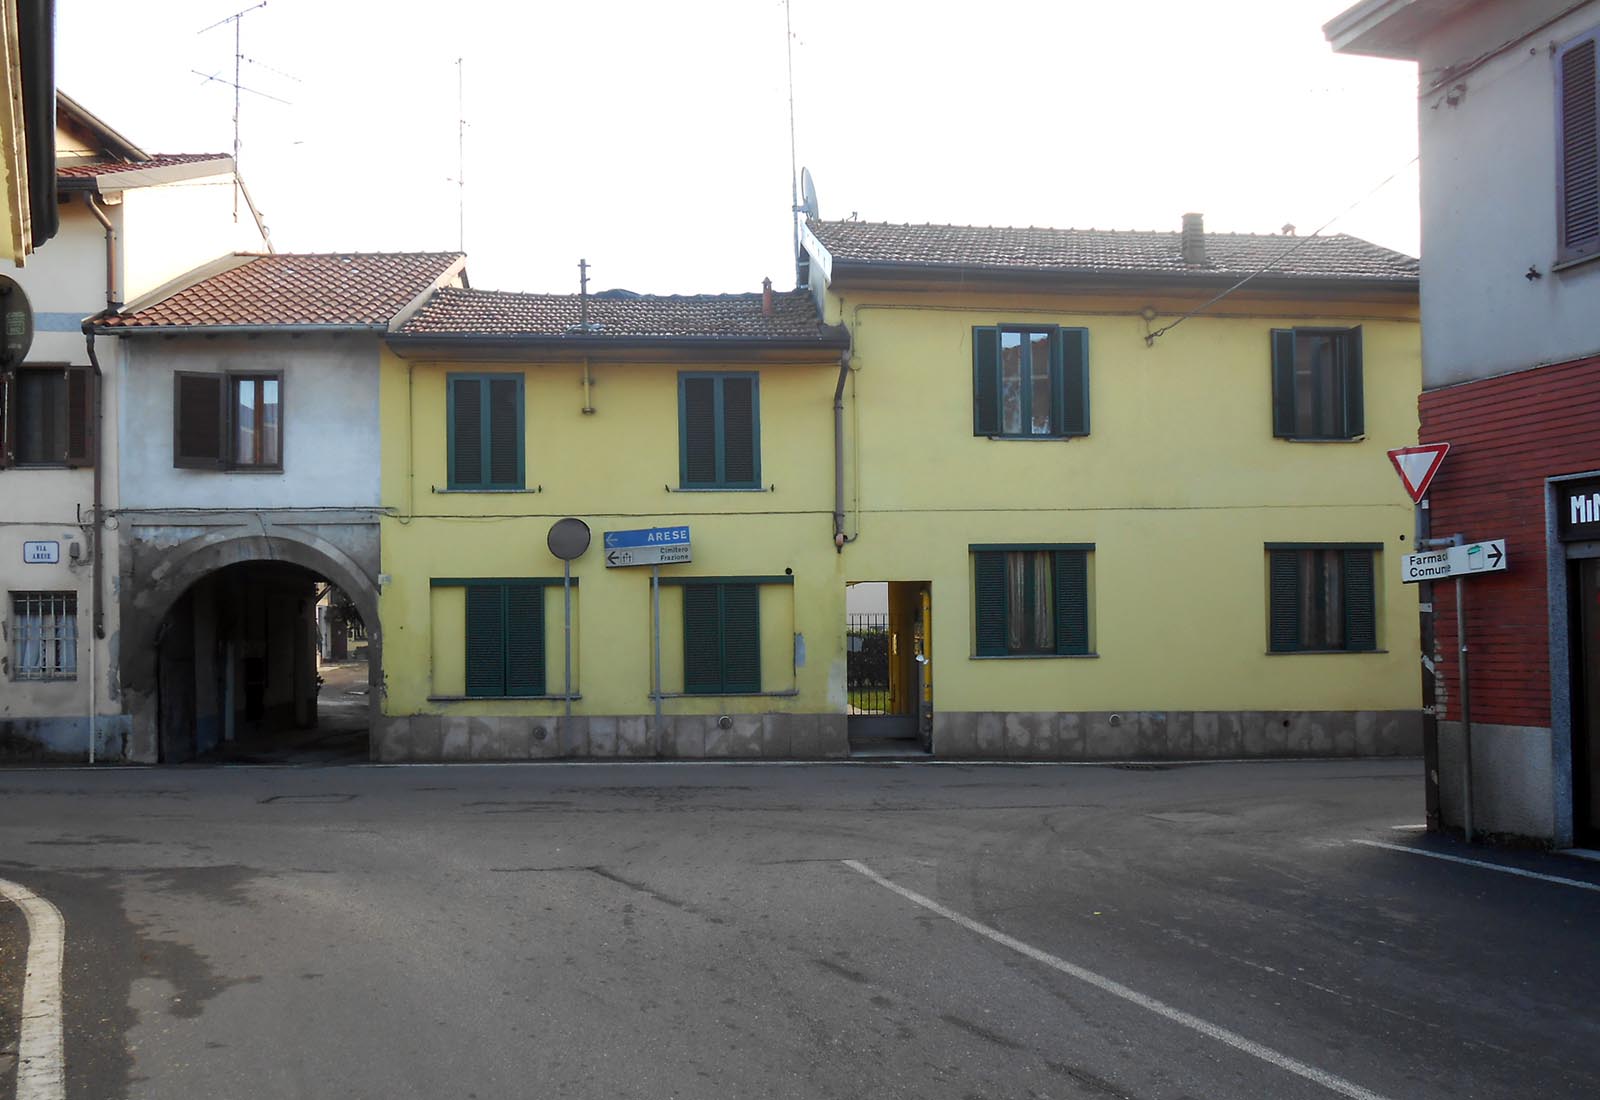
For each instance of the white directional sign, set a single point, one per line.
(647, 546)
(1454, 561)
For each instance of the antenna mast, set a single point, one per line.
(237, 19)
(794, 176)
(461, 157)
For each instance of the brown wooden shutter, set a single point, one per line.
(80, 416)
(7, 432)
(199, 420)
(1580, 150)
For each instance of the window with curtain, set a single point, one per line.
(1031, 601)
(1030, 382)
(44, 633)
(1322, 599)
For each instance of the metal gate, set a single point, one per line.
(876, 709)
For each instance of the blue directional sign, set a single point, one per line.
(647, 546)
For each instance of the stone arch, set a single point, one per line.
(154, 597)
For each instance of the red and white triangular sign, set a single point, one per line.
(1417, 465)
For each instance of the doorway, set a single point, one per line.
(889, 663)
(1585, 586)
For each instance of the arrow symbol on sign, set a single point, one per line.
(611, 558)
(1496, 556)
(611, 540)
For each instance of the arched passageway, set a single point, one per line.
(231, 654)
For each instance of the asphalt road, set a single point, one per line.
(656, 931)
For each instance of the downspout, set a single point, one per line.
(96, 555)
(111, 251)
(839, 537)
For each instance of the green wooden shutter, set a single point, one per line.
(504, 416)
(986, 381)
(6, 429)
(1072, 601)
(1283, 383)
(740, 463)
(741, 637)
(466, 433)
(1074, 385)
(1360, 605)
(524, 610)
(702, 639)
(1284, 614)
(697, 419)
(1355, 418)
(989, 602)
(486, 665)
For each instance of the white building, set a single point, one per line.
(129, 221)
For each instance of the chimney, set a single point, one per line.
(1194, 239)
(766, 297)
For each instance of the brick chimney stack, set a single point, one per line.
(1194, 239)
(766, 297)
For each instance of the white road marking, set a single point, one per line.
(1133, 996)
(1518, 871)
(41, 1067)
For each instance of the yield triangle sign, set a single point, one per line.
(1417, 465)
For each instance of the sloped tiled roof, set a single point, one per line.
(336, 289)
(1108, 252)
(454, 311)
(160, 160)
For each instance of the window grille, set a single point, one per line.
(44, 635)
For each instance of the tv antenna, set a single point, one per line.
(237, 19)
(461, 156)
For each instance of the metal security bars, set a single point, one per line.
(867, 665)
(44, 635)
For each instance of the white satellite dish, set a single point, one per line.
(808, 195)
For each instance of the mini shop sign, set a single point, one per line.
(1579, 510)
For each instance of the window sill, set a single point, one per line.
(1034, 438)
(44, 679)
(1034, 657)
(1323, 438)
(252, 470)
(1575, 261)
(1324, 652)
(502, 492)
(792, 693)
(723, 489)
(557, 698)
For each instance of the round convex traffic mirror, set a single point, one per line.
(569, 538)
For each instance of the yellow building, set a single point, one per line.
(1101, 533)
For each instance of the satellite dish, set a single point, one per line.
(808, 194)
(16, 322)
(569, 538)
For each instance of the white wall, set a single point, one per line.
(177, 227)
(330, 422)
(1489, 201)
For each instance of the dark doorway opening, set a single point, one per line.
(1584, 585)
(241, 674)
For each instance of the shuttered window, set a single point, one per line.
(227, 421)
(719, 429)
(47, 417)
(505, 639)
(1578, 178)
(1316, 384)
(486, 449)
(1030, 383)
(1031, 601)
(1321, 599)
(721, 638)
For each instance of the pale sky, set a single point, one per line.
(652, 137)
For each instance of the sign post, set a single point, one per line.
(568, 539)
(655, 547)
(1417, 467)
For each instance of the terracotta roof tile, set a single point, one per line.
(619, 314)
(339, 289)
(1111, 252)
(160, 160)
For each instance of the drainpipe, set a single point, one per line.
(96, 555)
(111, 249)
(839, 537)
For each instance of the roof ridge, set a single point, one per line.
(1210, 233)
(599, 296)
